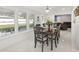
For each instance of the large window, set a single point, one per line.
(31, 21)
(6, 22)
(22, 21)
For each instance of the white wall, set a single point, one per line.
(75, 30)
(46, 17)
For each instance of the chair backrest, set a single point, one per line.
(38, 30)
(38, 25)
(44, 25)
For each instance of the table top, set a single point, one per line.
(45, 30)
(49, 32)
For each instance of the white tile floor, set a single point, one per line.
(27, 44)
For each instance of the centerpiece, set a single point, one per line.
(49, 23)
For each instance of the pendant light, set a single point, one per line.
(47, 9)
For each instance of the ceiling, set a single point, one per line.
(53, 9)
(36, 9)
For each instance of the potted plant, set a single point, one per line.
(49, 23)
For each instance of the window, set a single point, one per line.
(31, 21)
(6, 22)
(22, 22)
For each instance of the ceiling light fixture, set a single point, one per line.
(47, 9)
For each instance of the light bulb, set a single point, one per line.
(47, 11)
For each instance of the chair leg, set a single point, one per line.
(51, 44)
(47, 42)
(35, 43)
(57, 39)
(55, 43)
(42, 46)
(59, 35)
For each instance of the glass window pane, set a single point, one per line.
(6, 22)
(31, 21)
(22, 22)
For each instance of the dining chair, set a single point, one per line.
(58, 33)
(38, 25)
(53, 37)
(44, 25)
(40, 36)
